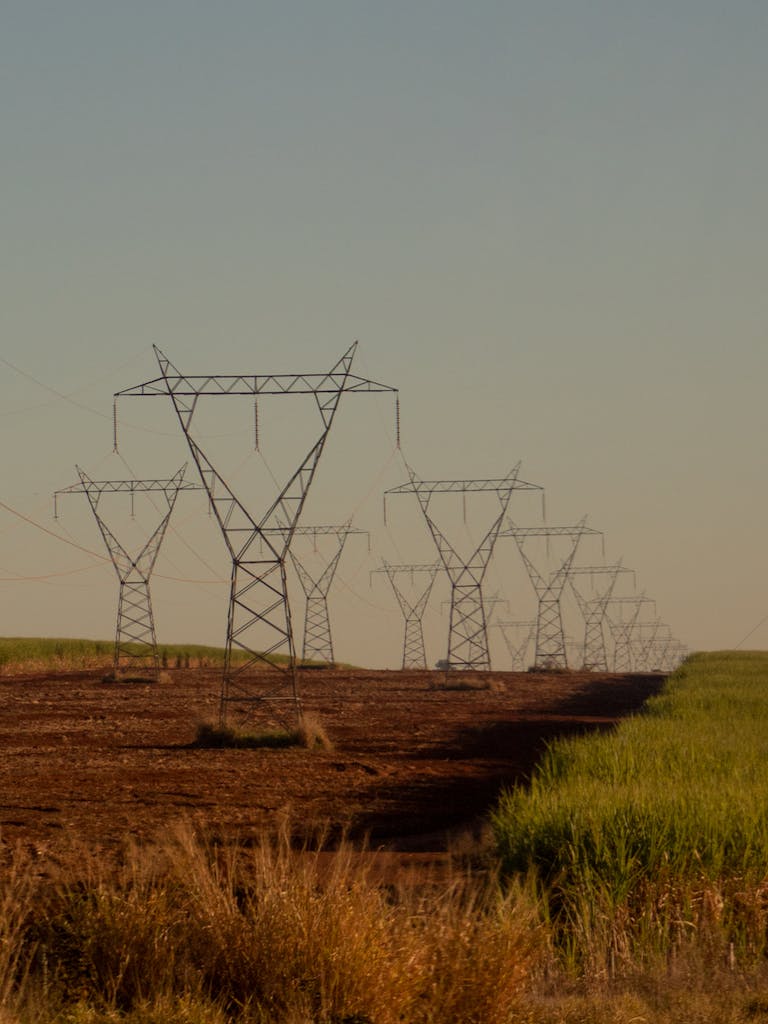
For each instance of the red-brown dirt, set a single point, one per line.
(414, 763)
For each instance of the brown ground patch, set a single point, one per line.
(413, 764)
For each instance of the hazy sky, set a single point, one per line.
(545, 221)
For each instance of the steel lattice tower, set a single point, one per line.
(517, 648)
(468, 633)
(660, 653)
(673, 653)
(414, 651)
(574, 650)
(135, 639)
(318, 641)
(644, 637)
(259, 619)
(621, 629)
(593, 610)
(550, 638)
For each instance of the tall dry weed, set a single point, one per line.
(279, 935)
(312, 733)
(18, 888)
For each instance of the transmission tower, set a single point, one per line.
(259, 619)
(673, 654)
(645, 636)
(468, 634)
(574, 649)
(489, 604)
(414, 651)
(550, 639)
(659, 654)
(593, 609)
(621, 628)
(318, 642)
(135, 639)
(518, 637)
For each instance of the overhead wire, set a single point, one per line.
(753, 630)
(62, 396)
(102, 560)
(51, 533)
(47, 576)
(173, 529)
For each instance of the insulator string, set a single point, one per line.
(397, 421)
(114, 425)
(256, 443)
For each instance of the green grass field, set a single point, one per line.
(657, 831)
(680, 788)
(19, 654)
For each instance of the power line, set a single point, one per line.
(753, 630)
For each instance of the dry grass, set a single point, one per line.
(458, 683)
(312, 733)
(198, 934)
(133, 678)
(309, 733)
(191, 932)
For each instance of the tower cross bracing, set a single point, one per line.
(259, 624)
(551, 651)
(135, 638)
(593, 609)
(413, 608)
(643, 638)
(468, 634)
(621, 627)
(318, 639)
(518, 637)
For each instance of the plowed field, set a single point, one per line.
(414, 763)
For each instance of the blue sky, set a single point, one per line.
(545, 222)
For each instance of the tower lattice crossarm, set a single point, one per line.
(318, 639)
(414, 650)
(551, 651)
(593, 609)
(468, 633)
(259, 619)
(621, 626)
(135, 637)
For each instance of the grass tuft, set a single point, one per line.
(309, 733)
(219, 737)
(312, 733)
(469, 683)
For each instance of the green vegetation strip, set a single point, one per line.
(19, 653)
(678, 792)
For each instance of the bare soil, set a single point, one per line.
(414, 765)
